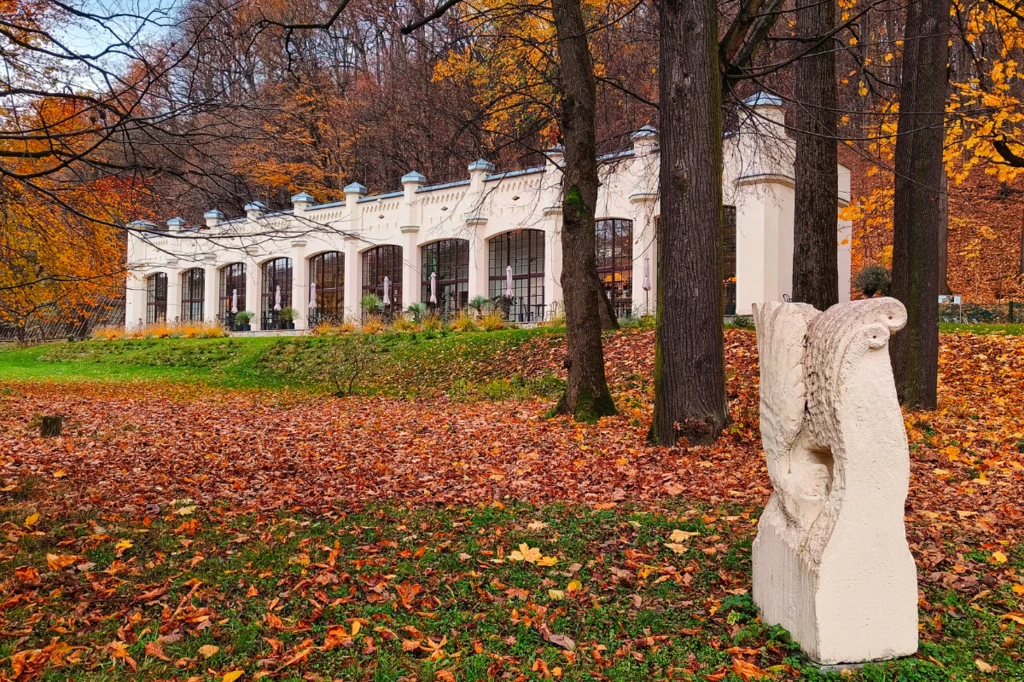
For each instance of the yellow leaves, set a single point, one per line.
(556, 594)
(531, 555)
(60, 562)
(232, 676)
(982, 666)
(208, 650)
(998, 557)
(32, 520)
(122, 546)
(191, 509)
(575, 586)
(1018, 590)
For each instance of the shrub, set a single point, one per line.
(479, 304)
(873, 279)
(289, 314)
(404, 323)
(417, 310)
(346, 360)
(463, 322)
(374, 324)
(108, 333)
(432, 322)
(371, 304)
(243, 317)
(492, 321)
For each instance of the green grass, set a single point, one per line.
(982, 329)
(467, 365)
(434, 575)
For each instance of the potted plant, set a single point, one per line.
(479, 305)
(288, 315)
(242, 320)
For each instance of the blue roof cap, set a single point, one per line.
(481, 164)
(303, 198)
(413, 176)
(176, 222)
(763, 99)
(646, 131)
(355, 188)
(255, 206)
(214, 213)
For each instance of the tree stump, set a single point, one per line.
(51, 426)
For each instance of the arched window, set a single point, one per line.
(449, 258)
(614, 251)
(378, 263)
(156, 298)
(524, 251)
(232, 283)
(327, 271)
(193, 291)
(277, 281)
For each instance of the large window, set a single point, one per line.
(156, 298)
(524, 251)
(232, 282)
(378, 263)
(614, 251)
(327, 271)
(193, 290)
(277, 282)
(449, 258)
(729, 258)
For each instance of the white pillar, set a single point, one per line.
(211, 291)
(553, 263)
(173, 295)
(411, 276)
(645, 250)
(479, 279)
(300, 284)
(353, 279)
(253, 284)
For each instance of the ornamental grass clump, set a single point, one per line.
(404, 323)
(432, 322)
(492, 321)
(463, 322)
(374, 324)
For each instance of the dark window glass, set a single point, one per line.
(277, 277)
(156, 298)
(614, 251)
(524, 251)
(193, 291)
(327, 270)
(232, 279)
(378, 263)
(449, 258)
(729, 258)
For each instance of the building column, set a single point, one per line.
(479, 273)
(135, 300)
(553, 267)
(353, 280)
(211, 291)
(300, 284)
(253, 289)
(173, 295)
(411, 276)
(645, 250)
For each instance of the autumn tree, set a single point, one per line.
(815, 258)
(917, 208)
(586, 394)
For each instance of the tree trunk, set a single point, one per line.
(689, 359)
(944, 237)
(917, 208)
(815, 236)
(1020, 269)
(586, 394)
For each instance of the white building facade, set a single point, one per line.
(446, 244)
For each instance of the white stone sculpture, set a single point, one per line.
(831, 560)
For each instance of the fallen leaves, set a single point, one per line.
(531, 555)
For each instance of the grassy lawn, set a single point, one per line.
(472, 363)
(392, 593)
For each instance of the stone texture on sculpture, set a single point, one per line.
(831, 560)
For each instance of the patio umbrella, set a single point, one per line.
(433, 288)
(387, 291)
(508, 282)
(312, 295)
(647, 273)
(234, 301)
(277, 298)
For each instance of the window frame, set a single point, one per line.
(452, 273)
(156, 298)
(192, 302)
(507, 249)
